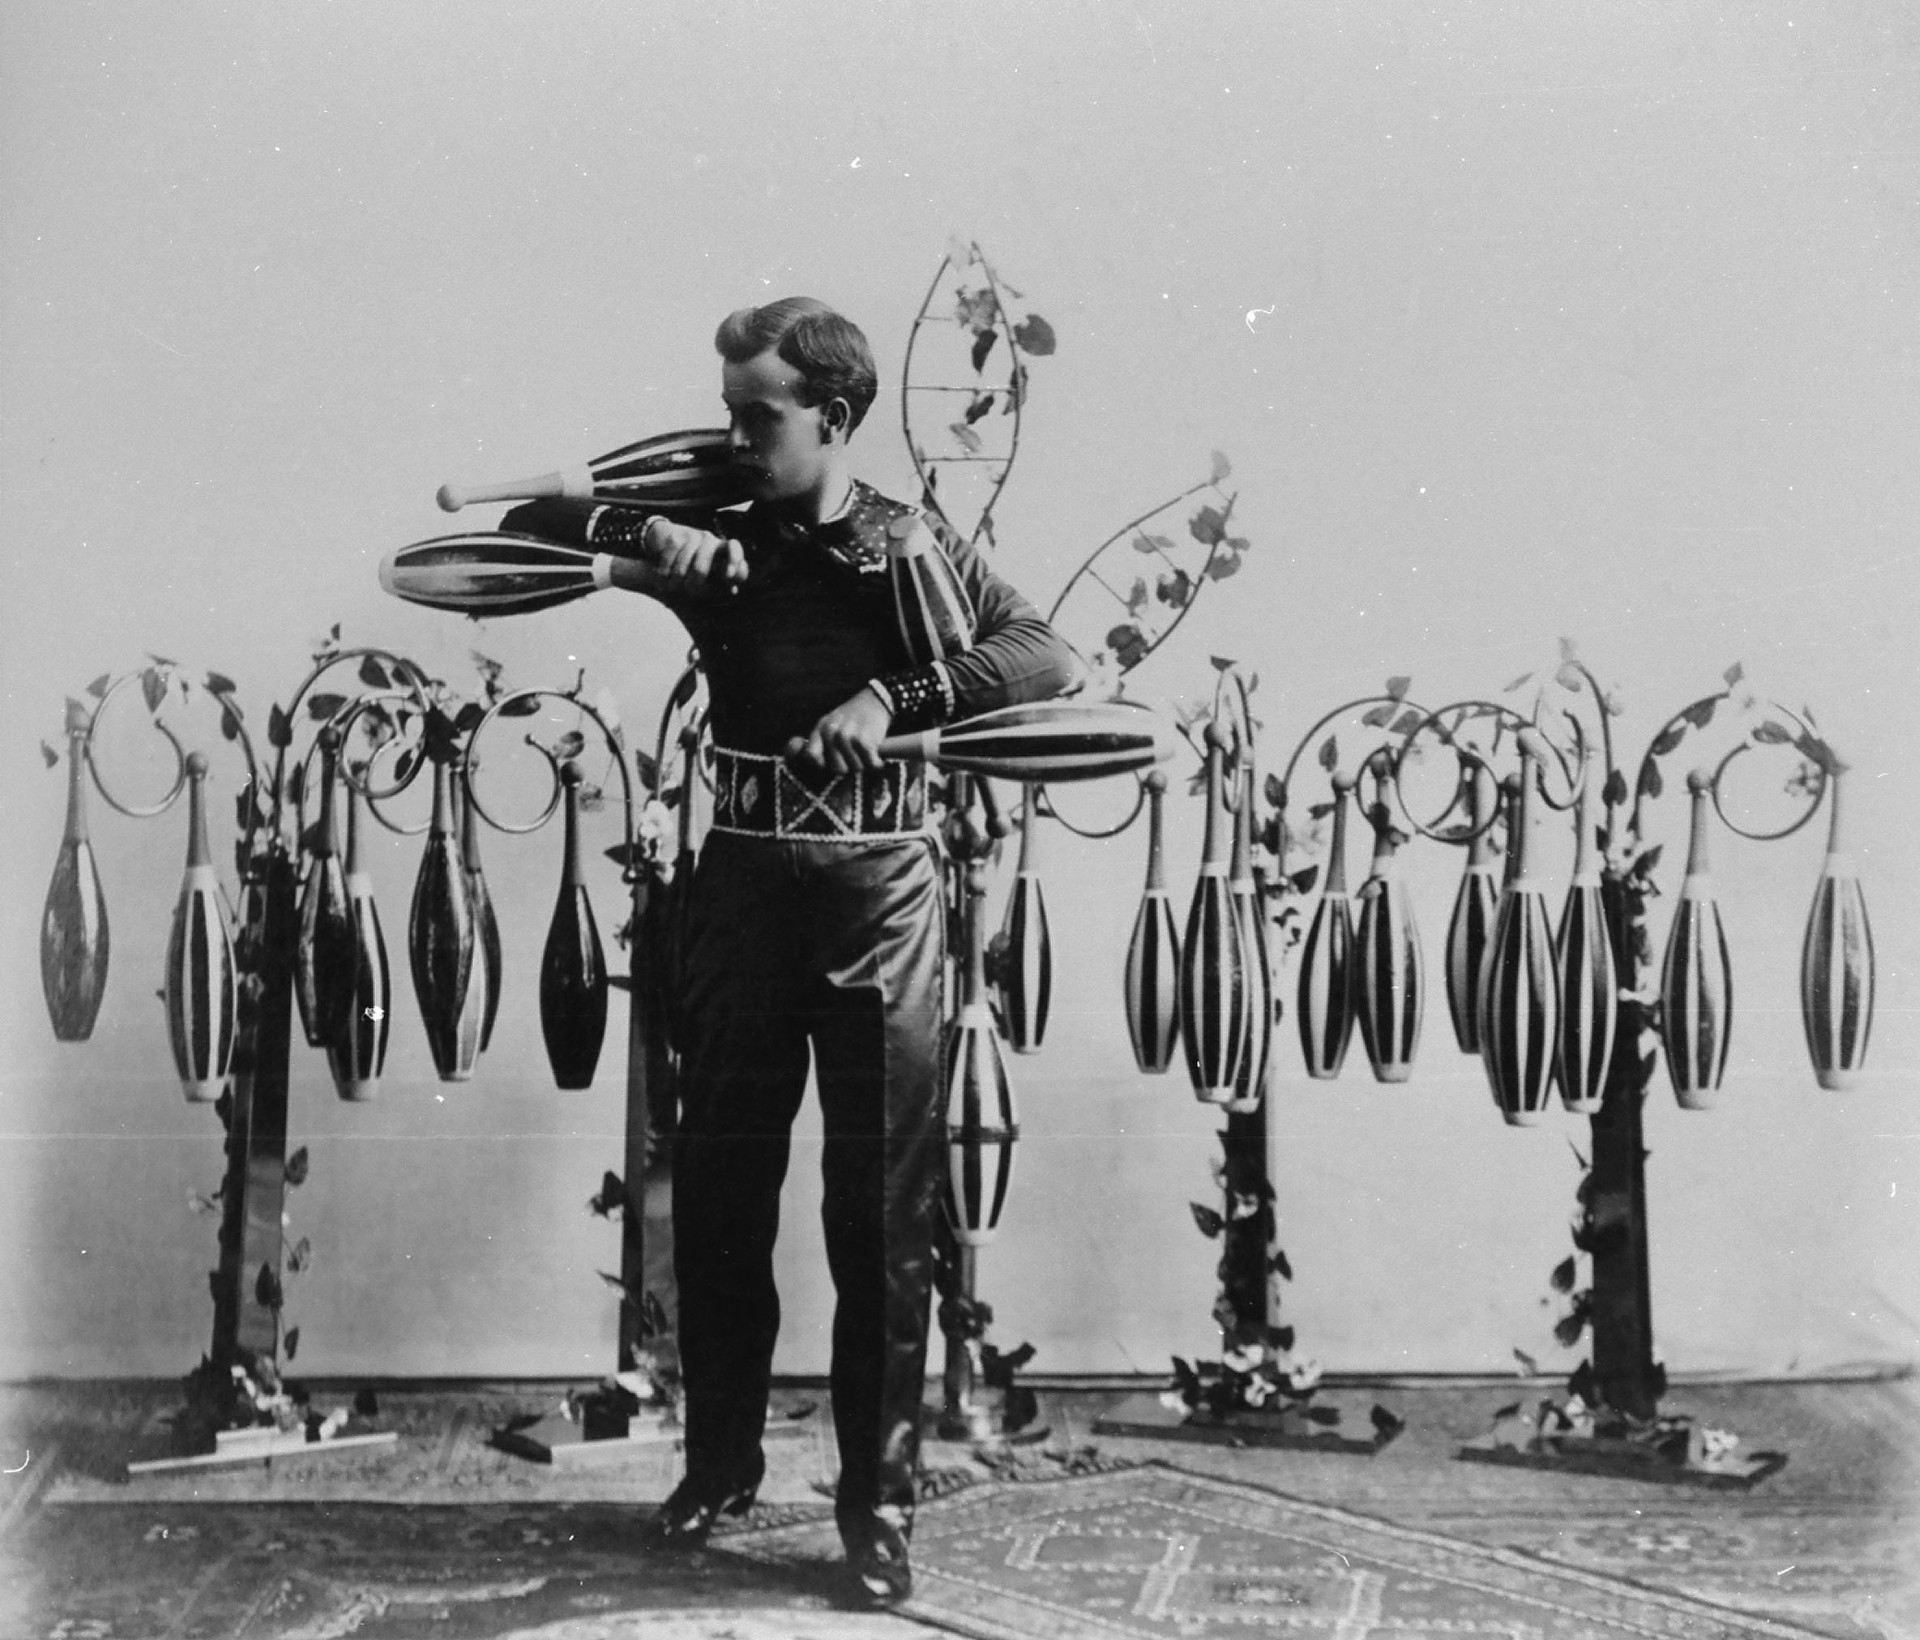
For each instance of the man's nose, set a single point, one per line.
(736, 438)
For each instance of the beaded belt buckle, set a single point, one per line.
(759, 796)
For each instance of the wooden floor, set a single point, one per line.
(1830, 1543)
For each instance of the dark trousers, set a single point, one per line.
(833, 947)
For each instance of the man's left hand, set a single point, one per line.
(847, 738)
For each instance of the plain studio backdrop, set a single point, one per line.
(1517, 323)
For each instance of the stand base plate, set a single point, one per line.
(1144, 1415)
(557, 1439)
(1630, 1460)
(245, 1446)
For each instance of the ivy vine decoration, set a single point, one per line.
(964, 386)
(1134, 589)
(654, 1380)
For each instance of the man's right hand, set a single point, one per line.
(686, 562)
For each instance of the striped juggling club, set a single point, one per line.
(358, 1054)
(441, 939)
(1213, 959)
(1519, 985)
(1324, 1007)
(981, 1125)
(1389, 989)
(493, 572)
(73, 923)
(1696, 976)
(1026, 962)
(201, 989)
(681, 475)
(1051, 741)
(470, 1028)
(935, 615)
(1589, 974)
(1251, 1080)
(573, 967)
(486, 923)
(323, 952)
(1153, 952)
(1836, 966)
(1475, 905)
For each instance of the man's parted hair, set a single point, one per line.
(830, 352)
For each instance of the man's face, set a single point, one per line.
(780, 445)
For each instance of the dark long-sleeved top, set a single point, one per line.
(814, 623)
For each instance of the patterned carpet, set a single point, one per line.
(441, 1534)
(1156, 1552)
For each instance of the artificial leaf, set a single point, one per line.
(1208, 526)
(647, 769)
(1144, 542)
(521, 706)
(279, 730)
(267, 1292)
(1210, 1222)
(99, 686)
(1567, 1330)
(1302, 881)
(1329, 754)
(1700, 713)
(1614, 792)
(1568, 677)
(1175, 589)
(1385, 1422)
(468, 717)
(1771, 733)
(983, 345)
(1734, 674)
(291, 1343)
(1397, 688)
(1667, 739)
(322, 707)
(300, 1255)
(1651, 784)
(1138, 597)
(1528, 1366)
(1562, 1277)
(612, 1197)
(1221, 663)
(1034, 335)
(1222, 468)
(969, 439)
(1277, 1263)
(153, 685)
(977, 407)
(571, 744)
(1379, 716)
(1517, 683)
(1323, 1415)
(1129, 645)
(1568, 651)
(1408, 721)
(296, 1169)
(1221, 565)
(1276, 790)
(52, 757)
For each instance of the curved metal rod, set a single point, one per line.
(1650, 757)
(667, 739)
(1013, 389)
(1092, 558)
(407, 671)
(1044, 799)
(628, 871)
(229, 714)
(345, 720)
(1505, 718)
(131, 810)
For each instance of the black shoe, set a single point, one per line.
(879, 1574)
(691, 1510)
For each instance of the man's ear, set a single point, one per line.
(836, 416)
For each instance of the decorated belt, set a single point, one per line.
(759, 796)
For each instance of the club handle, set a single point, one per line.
(452, 497)
(910, 748)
